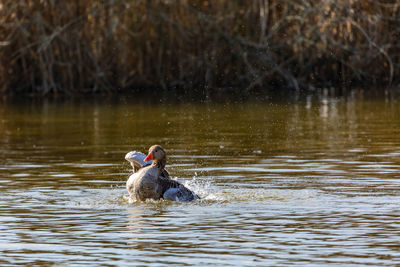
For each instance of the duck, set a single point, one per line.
(150, 180)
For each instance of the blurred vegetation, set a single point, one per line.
(196, 46)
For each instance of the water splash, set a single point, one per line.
(201, 187)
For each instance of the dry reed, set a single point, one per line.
(196, 46)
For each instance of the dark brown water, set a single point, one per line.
(312, 182)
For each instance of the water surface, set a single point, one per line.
(310, 181)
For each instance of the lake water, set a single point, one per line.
(310, 181)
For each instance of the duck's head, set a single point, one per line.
(156, 152)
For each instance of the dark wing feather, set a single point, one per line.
(165, 174)
(167, 183)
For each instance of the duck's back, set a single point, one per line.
(143, 184)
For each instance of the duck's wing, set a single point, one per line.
(173, 190)
(137, 160)
(165, 174)
(165, 183)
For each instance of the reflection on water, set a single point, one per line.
(313, 181)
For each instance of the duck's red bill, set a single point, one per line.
(149, 157)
